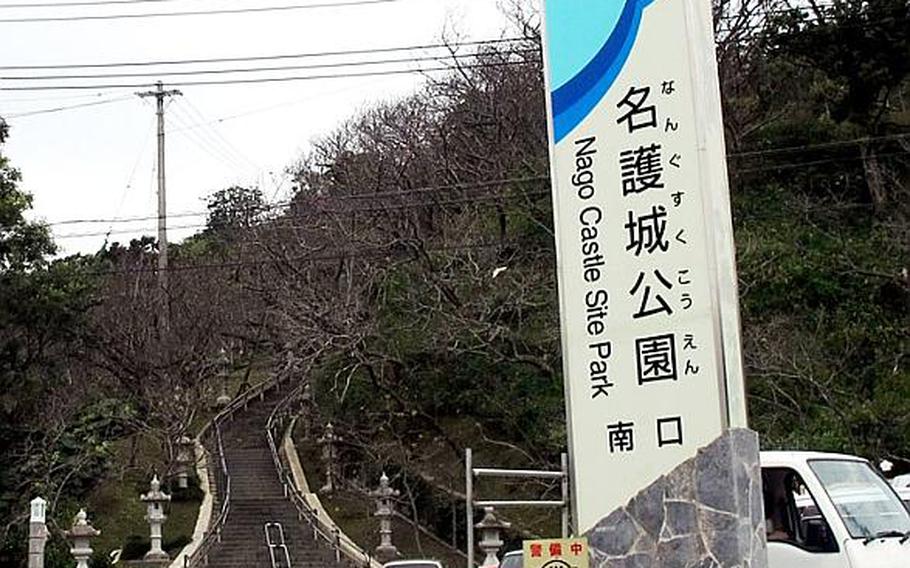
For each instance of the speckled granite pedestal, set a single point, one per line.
(707, 513)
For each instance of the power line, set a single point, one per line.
(810, 147)
(268, 79)
(812, 26)
(528, 179)
(132, 176)
(184, 118)
(773, 12)
(404, 206)
(377, 195)
(203, 142)
(70, 97)
(261, 9)
(377, 252)
(82, 3)
(505, 181)
(435, 203)
(65, 108)
(803, 164)
(208, 125)
(360, 209)
(194, 72)
(241, 114)
(265, 57)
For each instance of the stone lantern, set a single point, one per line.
(491, 542)
(329, 442)
(384, 510)
(185, 460)
(224, 364)
(155, 500)
(37, 533)
(81, 536)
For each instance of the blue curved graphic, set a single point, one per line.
(574, 99)
(576, 29)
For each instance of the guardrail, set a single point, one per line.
(221, 474)
(329, 533)
(562, 475)
(280, 546)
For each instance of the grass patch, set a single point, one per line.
(437, 464)
(114, 504)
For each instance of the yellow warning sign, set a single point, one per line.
(556, 553)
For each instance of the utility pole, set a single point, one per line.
(160, 94)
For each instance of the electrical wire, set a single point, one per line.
(273, 57)
(210, 139)
(434, 203)
(816, 146)
(82, 3)
(225, 118)
(387, 208)
(374, 209)
(514, 180)
(202, 140)
(65, 108)
(792, 165)
(195, 72)
(132, 176)
(70, 97)
(284, 79)
(377, 195)
(209, 125)
(224, 11)
(377, 252)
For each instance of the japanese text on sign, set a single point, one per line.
(637, 281)
(559, 553)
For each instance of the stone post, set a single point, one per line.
(185, 460)
(37, 533)
(491, 540)
(329, 441)
(155, 500)
(386, 551)
(224, 364)
(81, 536)
(306, 410)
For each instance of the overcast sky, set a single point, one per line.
(97, 162)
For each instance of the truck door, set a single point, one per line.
(799, 536)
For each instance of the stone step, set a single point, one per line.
(257, 498)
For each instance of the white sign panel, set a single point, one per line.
(647, 283)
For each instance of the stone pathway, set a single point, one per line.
(257, 500)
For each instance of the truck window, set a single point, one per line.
(865, 501)
(792, 515)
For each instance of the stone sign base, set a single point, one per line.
(707, 513)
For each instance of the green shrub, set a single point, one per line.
(135, 547)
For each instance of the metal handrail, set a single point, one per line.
(328, 533)
(223, 481)
(279, 546)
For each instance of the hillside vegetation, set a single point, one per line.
(411, 275)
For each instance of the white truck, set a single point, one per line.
(832, 511)
(821, 511)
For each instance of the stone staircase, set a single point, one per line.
(257, 499)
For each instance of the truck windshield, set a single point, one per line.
(862, 498)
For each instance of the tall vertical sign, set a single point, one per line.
(647, 281)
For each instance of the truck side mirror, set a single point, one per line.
(818, 535)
